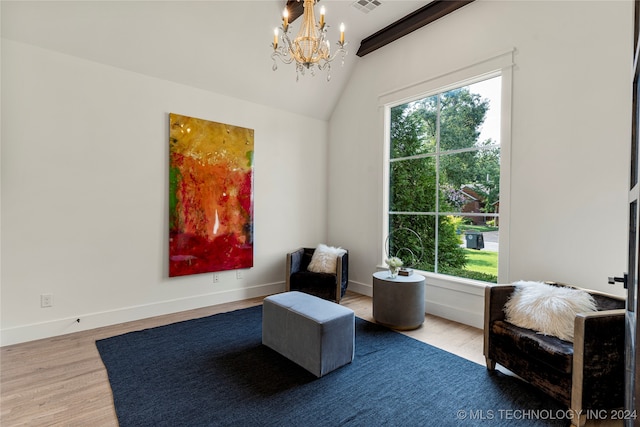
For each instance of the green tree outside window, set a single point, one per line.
(444, 180)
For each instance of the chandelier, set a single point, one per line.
(310, 48)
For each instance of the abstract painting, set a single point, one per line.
(210, 196)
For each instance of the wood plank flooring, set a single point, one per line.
(61, 381)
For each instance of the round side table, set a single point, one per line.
(399, 302)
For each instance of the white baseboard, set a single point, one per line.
(88, 321)
(459, 300)
(461, 303)
(455, 314)
(360, 288)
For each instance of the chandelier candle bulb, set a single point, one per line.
(285, 20)
(342, 33)
(275, 38)
(322, 11)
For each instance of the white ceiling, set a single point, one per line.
(220, 46)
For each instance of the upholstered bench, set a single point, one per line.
(316, 334)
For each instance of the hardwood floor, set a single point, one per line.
(61, 381)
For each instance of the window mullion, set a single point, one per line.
(437, 219)
(411, 213)
(460, 150)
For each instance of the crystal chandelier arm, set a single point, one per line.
(282, 52)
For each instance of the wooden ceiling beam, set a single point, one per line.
(295, 8)
(413, 21)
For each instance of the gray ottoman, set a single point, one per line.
(317, 334)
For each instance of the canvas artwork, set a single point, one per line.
(211, 196)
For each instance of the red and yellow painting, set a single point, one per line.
(210, 196)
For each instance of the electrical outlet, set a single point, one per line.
(239, 274)
(46, 300)
(216, 278)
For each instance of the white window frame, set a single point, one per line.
(500, 64)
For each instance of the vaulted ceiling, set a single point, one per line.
(219, 46)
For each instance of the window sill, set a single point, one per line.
(460, 284)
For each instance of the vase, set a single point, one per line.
(393, 272)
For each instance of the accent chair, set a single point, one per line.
(327, 285)
(586, 374)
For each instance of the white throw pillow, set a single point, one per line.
(325, 258)
(547, 309)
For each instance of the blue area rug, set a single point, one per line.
(214, 371)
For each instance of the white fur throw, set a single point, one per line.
(547, 309)
(325, 258)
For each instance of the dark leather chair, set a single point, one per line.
(329, 286)
(587, 374)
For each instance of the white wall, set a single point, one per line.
(84, 168)
(84, 194)
(570, 138)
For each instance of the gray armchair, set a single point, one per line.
(329, 286)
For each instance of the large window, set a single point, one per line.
(444, 181)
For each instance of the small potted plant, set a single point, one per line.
(394, 264)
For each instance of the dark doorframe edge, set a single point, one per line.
(413, 21)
